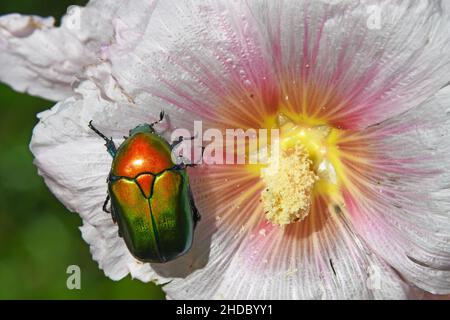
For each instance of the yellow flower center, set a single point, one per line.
(289, 183)
(305, 167)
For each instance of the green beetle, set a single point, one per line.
(151, 200)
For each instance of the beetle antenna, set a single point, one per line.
(193, 165)
(91, 126)
(110, 146)
(162, 114)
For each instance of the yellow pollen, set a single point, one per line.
(289, 180)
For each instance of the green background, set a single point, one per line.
(39, 238)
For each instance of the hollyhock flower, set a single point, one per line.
(359, 205)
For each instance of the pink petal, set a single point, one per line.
(399, 193)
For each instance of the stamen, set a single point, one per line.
(289, 183)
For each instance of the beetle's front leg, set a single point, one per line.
(193, 165)
(110, 146)
(180, 140)
(176, 143)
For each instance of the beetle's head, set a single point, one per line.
(142, 128)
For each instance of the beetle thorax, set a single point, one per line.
(142, 153)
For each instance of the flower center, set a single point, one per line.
(289, 183)
(297, 173)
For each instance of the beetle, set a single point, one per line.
(151, 200)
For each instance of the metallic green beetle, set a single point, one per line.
(151, 200)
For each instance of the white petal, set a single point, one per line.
(74, 163)
(406, 216)
(240, 61)
(195, 57)
(45, 60)
(294, 264)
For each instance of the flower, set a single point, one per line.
(359, 207)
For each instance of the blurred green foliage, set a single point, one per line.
(39, 238)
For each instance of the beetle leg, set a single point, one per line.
(161, 118)
(176, 142)
(195, 213)
(112, 212)
(119, 232)
(105, 204)
(180, 140)
(182, 165)
(193, 165)
(110, 146)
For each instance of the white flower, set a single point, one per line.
(382, 90)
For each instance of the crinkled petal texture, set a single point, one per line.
(235, 64)
(44, 60)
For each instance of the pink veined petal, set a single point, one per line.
(227, 198)
(357, 63)
(399, 200)
(240, 63)
(321, 258)
(205, 58)
(428, 296)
